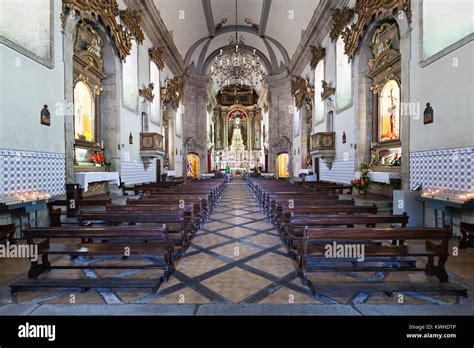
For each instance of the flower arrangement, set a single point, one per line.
(99, 159)
(362, 184)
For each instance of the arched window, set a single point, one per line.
(155, 106)
(130, 79)
(179, 117)
(330, 122)
(457, 24)
(318, 88)
(144, 122)
(343, 77)
(84, 117)
(296, 121)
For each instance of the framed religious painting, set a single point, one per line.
(45, 116)
(428, 114)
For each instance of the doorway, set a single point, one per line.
(283, 162)
(192, 165)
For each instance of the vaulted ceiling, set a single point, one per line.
(200, 28)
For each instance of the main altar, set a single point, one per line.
(237, 137)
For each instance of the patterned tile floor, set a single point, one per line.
(237, 258)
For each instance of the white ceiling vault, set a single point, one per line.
(200, 28)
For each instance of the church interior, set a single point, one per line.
(236, 157)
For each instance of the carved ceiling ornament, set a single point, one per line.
(317, 53)
(301, 91)
(173, 91)
(132, 21)
(265, 107)
(87, 49)
(106, 12)
(386, 62)
(385, 48)
(368, 11)
(340, 18)
(156, 56)
(147, 92)
(327, 90)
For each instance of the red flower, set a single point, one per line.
(100, 157)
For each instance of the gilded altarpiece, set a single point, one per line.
(237, 133)
(385, 69)
(88, 72)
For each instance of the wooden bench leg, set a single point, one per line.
(36, 269)
(466, 239)
(438, 271)
(441, 273)
(13, 293)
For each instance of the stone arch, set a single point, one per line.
(109, 104)
(363, 107)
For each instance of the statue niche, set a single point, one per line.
(237, 131)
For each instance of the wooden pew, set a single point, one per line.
(278, 205)
(72, 208)
(199, 212)
(174, 221)
(467, 231)
(302, 201)
(157, 245)
(300, 221)
(284, 218)
(183, 198)
(270, 199)
(189, 218)
(139, 188)
(316, 242)
(7, 232)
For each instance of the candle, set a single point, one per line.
(102, 144)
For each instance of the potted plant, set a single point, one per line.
(362, 184)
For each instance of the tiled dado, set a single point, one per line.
(22, 171)
(450, 169)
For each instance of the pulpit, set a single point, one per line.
(323, 145)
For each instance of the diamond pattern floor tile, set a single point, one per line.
(209, 240)
(265, 240)
(235, 251)
(183, 296)
(198, 264)
(236, 284)
(274, 264)
(259, 225)
(236, 232)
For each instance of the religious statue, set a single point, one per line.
(237, 141)
(392, 111)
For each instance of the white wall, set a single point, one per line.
(25, 86)
(448, 85)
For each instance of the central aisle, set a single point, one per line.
(236, 258)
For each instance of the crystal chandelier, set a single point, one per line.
(235, 66)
